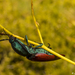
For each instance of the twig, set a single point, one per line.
(36, 22)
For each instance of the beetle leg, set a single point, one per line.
(39, 45)
(30, 46)
(49, 46)
(26, 38)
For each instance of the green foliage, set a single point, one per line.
(57, 26)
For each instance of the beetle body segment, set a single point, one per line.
(44, 57)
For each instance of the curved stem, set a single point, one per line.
(36, 22)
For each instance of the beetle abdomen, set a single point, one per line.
(44, 57)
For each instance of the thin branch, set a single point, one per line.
(36, 22)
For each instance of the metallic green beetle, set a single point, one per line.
(31, 53)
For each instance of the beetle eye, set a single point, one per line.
(11, 39)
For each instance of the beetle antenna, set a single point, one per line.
(4, 39)
(3, 33)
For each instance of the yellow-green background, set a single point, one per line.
(56, 20)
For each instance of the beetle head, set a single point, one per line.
(11, 39)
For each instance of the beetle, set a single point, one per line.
(31, 53)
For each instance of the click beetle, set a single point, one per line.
(31, 53)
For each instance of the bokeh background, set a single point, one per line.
(56, 20)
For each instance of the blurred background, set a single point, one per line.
(56, 20)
